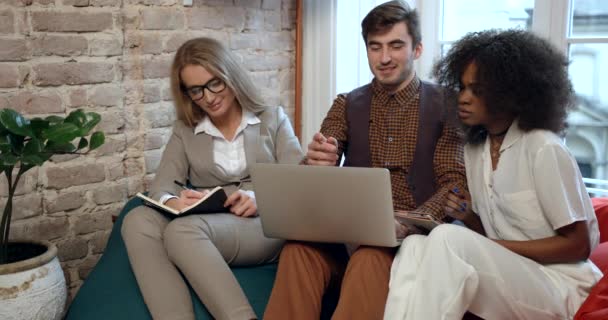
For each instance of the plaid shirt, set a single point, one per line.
(392, 137)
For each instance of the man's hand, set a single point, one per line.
(322, 151)
(186, 198)
(241, 204)
(458, 204)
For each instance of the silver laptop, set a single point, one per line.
(325, 204)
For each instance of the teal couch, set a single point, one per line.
(111, 292)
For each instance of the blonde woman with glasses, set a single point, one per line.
(223, 128)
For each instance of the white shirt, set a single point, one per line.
(229, 156)
(535, 189)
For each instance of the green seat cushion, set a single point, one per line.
(111, 291)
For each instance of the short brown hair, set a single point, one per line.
(387, 15)
(213, 56)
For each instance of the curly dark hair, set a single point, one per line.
(520, 74)
(386, 15)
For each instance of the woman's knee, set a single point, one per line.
(140, 221)
(457, 238)
(184, 230)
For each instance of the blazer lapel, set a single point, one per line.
(252, 134)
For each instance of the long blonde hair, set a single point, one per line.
(213, 56)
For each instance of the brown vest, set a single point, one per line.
(420, 176)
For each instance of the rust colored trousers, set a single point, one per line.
(307, 270)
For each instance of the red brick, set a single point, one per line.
(40, 229)
(78, 98)
(234, 17)
(56, 74)
(67, 176)
(76, 3)
(205, 18)
(175, 41)
(60, 45)
(9, 76)
(7, 21)
(105, 46)
(136, 40)
(64, 201)
(106, 96)
(37, 103)
(157, 68)
(54, 21)
(105, 3)
(18, 3)
(14, 50)
(162, 19)
(72, 249)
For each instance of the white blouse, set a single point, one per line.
(535, 189)
(229, 156)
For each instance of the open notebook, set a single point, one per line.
(212, 202)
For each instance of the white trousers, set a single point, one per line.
(454, 269)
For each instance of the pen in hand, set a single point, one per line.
(194, 193)
(181, 185)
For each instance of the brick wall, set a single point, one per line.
(113, 57)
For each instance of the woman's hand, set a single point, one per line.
(186, 198)
(458, 204)
(241, 204)
(401, 230)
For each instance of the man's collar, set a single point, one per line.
(403, 95)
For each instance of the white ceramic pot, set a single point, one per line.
(33, 289)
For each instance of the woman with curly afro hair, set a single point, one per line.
(529, 222)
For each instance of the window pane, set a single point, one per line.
(587, 135)
(445, 48)
(589, 18)
(463, 16)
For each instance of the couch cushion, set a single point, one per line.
(600, 205)
(595, 306)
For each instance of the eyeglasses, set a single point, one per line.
(214, 85)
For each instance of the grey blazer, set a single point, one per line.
(190, 156)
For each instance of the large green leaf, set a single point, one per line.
(32, 160)
(62, 132)
(16, 142)
(8, 159)
(54, 119)
(3, 129)
(33, 147)
(55, 147)
(15, 122)
(38, 125)
(83, 143)
(92, 119)
(4, 142)
(97, 139)
(76, 117)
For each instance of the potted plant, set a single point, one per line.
(31, 280)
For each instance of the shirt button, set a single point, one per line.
(390, 139)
